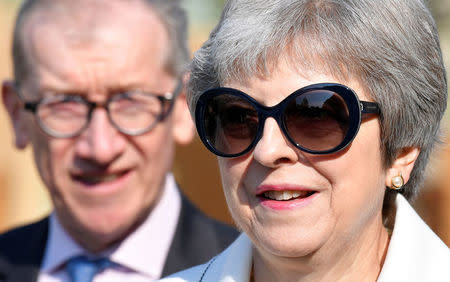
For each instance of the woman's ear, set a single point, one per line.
(183, 126)
(402, 165)
(13, 106)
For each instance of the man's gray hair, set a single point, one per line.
(174, 17)
(171, 13)
(391, 47)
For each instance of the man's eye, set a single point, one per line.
(64, 108)
(136, 103)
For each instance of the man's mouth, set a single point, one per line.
(286, 195)
(98, 178)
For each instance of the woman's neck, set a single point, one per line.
(360, 259)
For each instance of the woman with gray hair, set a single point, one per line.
(323, 115)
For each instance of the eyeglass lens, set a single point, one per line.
(133, 113)
(62, 116)
(317, 120)
(130, 113)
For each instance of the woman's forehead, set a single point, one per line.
(290, 72)
(284, 80)
(293, 58)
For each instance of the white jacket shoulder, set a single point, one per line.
(190, 274)
(232, 265)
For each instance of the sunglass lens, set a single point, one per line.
(317, 120)
(230, 123)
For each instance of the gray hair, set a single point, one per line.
(171, 14)
(391, 47)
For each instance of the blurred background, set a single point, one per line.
(24, 199)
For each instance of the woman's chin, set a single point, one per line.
(288, 245)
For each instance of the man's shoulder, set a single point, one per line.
(25, 229)
(22, 250)
(25, 241)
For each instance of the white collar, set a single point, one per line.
(415, 254)
(233, 264)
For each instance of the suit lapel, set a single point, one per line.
(23, 251)
(197, 239)
(180, 252)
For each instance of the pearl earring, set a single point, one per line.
(397, 182)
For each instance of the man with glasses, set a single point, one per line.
(99, 95)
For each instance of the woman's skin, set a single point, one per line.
(333, 234)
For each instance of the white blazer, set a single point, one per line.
(415, 254)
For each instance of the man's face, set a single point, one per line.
(102, 182)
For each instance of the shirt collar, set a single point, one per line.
(55, 256)
(144, 251)
(233, 264)
(415, 253)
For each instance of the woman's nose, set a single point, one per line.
(100, 142)
(273, 149)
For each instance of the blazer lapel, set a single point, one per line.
(22, 252)
(233, 264)
(181, 251)
(197, 239)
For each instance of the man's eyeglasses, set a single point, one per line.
(319, 119)
(132, 113)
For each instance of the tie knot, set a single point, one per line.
(83, 269)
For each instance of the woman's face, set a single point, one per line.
(341, 194)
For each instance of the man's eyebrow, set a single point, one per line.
(108, 91)
(45, 91)
(60, 91)
(123, 88)
(133, 87)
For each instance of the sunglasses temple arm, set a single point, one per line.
(369, 108)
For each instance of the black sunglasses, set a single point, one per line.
(318, 119)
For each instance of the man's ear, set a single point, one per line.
(13, 105)
(183, 126)
(402, 165)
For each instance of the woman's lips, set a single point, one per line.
(285, 197)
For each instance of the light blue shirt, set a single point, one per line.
(140, 257)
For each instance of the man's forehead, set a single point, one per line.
(81, 23)
(58, 44)
(83, 19)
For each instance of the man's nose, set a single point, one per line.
(273, 149)
(100, 142)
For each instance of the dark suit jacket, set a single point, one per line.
(197, 239)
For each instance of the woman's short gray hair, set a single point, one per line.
(391, 47)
